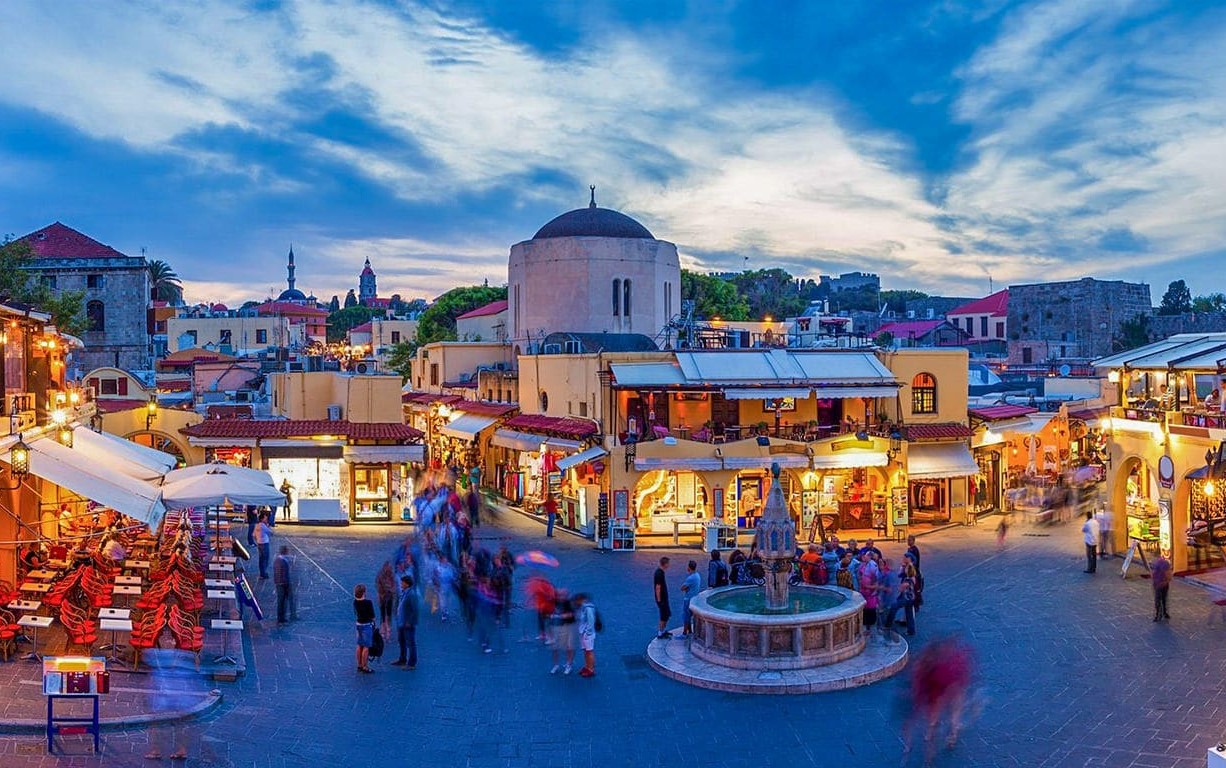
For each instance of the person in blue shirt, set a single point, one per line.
(689, 590)
(406, 624)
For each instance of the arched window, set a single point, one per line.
(544, 401)
(924, 393)
(617, 295)
(626, 298)
(95, 315)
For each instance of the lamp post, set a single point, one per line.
(151, 411)
(19, 463)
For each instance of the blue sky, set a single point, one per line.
(935, 143)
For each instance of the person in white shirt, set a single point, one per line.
(1103, 518)
(1089, 531)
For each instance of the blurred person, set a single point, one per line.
(689, 589)
(176, 686)
(281, 579)
(1089, 534)
(1160, 577)
(1002, 531)
(252, 519)
(385, 592)
(551, 515)
(869, 591)
(941, 676)
(717, 572)
(364, 616)
(263, 542)
(1105, 544)
(660, 590)
(563, 621)
(587, 630)
(540, 594)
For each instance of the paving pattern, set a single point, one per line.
(1071, 668)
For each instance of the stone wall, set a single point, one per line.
(1073, 320)
(122, 288)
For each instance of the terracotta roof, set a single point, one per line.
(365, 327)
(996, 305)
(248, 429)
(427, 398)
(60, 242)
(562, 426)
(174, 385)
(493, 308)
(288, 308)
(377, 302)
(998, 412)
(936, 432)
(113, 404)
(910, 328)
(483, 408)
(1089, 414)
(229, 412)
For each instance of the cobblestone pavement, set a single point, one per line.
(1073, 672)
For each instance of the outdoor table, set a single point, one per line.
(220, 595)
(122, 591)
(114, 613)
(142, 565)
(42, 574)
(225, 559)
(31, 586)
(677, 528)
(36, 623)
(24, 605)
(113, 626)
(219, 583)
(223, 567)
(226, 625)
(128, 581)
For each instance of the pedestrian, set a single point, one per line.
(501, 579)
(364, 615)
(287, 491)
(660, 586)
(1105, 544)
(551, 515)
(252, 519)
(1160, 576)
(904, 601)
(563, 621)
(913, 550)
(1002, 530)
(281, 579)
(871, 548)
(587, 631)
(1089, 532)
(385, 591)
(263, 543)
(844, 578)
(830, 563)
(689, 589)
(869, 591)
(406, 624)
(811, 565)
(717, 571)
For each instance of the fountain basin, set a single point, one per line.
(732, 628)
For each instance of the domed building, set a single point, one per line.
(591, 270)
(291, 293)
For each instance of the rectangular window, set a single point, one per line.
(123, 387)
(226, 336)
(434, 374)
(583, 409)
(94, 282)
(983, 326)
(572, 347)
(923, 399)
(395, 337)
(970, 326)
(261, 336)
(47, 280)
(1027, 356)
(617, 296)
(1000, 330)
(109, 387)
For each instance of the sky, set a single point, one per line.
(949, 147)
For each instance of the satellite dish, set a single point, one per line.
(1065, 370)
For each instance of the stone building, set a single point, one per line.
(851, 281)
(367, 285)
(116, 288)
(1074, 321)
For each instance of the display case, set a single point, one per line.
(880, 507)
(718, 536)
(621, 537)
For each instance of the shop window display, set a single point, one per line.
(310, 478)
(372, 492)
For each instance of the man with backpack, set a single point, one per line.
(717, 571)
(589, 625)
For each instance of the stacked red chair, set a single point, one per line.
(80, 628)
(189, 636)
(10, 630)
(97, 586)
(148, 629)
(62, 587)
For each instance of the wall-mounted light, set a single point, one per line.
(19, 463)
(151, 411)
(65, 435)
(1113, 376)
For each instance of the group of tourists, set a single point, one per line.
(565, 621)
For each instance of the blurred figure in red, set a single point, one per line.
(541, 596)
(941, 676)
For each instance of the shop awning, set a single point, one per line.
(1033, 424)
(582, 457)
(467, 426)
(784, 460)
(692, 463)
(660, 374)
(934, 461)
(74, 471)
(562, 446)
(517, 441)
(384, 454)
(767, 393)
(852, 459)
(849, 393)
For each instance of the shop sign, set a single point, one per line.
(843, 445)
(1166, 472)
(791, 448)
(602, 518)
(717, 503)
(900, 505)
(1164, 524)
(621, 505)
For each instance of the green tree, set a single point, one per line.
(351, 299)
(437, 323)
(1212, 302)
(335, 304)
(897, 300)
(770, 293)
(885, 340)
(344, 320)
(1176, 300)
(713, 297)
(164, 284)
(400, 358)
(1132, 334)
(18, 283)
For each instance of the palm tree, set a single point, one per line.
(164, 284)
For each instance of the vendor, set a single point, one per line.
(1213, 401)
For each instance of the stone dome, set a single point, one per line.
(292, 294)
(593, 222)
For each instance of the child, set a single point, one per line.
(1002, 529)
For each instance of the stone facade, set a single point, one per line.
(1077, 320)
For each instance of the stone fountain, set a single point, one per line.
(777, 638)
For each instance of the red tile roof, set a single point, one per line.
(113, 404)
(288, 308)
(493, 308)
(998, 412)
(484, 409)
(174, 385)
(229, 412)
(996, 305)
(365, 327)
(1089, 414)
(910, 328)
(561, 426)
(60, 242)
(936, 432)
(429, 398)
(250, 429)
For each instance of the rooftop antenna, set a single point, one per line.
(592, 204)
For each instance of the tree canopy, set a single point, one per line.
(1176, 300)
(351, 299)
(17, 283)
(437, 323)
(164, 284)
(342, 321)
(713, 297)
(1212, 302)
(770, 293)
(400, 358)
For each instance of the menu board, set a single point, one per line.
(900, 506)
(75, 676)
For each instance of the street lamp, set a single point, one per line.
(895, 445)
(151, 411)
(19, 463)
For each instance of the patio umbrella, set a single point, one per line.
(217, 488)
(536, 557)
(196, 470)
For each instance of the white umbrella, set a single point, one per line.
(196, 470)
(217, 488)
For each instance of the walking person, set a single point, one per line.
(281, 579)
(287, 491)
(1105, 544)
(689, 589)
(563, 634)
(252, 519)
(1160, 576)
(551, 515)
(263, 543)
(1002, 531)
(660, 587)
(406, 624)
(1089, 532)
(587, 631)
(385, 591)
(913, 551)
(717, 571)
(364, 616)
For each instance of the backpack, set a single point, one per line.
(376, 643)
(721, 574)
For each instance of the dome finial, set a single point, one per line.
(593, 203)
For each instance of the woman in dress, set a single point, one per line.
(364, 614)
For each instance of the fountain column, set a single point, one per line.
(776, 543)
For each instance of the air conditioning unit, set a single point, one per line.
(334, 413)
(242, 396)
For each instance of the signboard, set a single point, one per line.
(900, 505)
(1166, 472)
(778, 404)
(602, 518)
(810, 503)
(75, 676)
(717, 503)
(1164, 524)
(621, 505)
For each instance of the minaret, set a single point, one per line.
(290, 268)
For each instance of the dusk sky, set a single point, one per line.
(934, 143)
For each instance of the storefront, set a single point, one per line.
(938, 482)
(536, 456)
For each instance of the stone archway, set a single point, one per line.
(161, 441)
